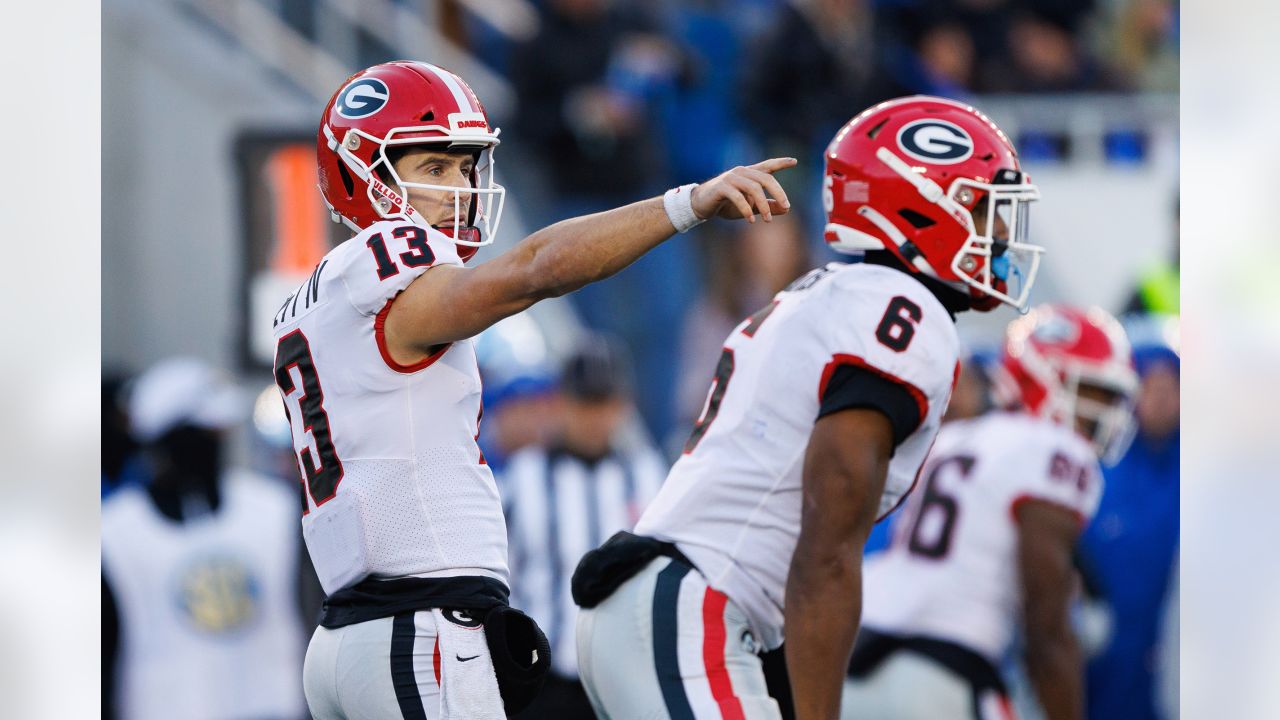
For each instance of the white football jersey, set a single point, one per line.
(731, 503)
(394, 483)
(951, 571)
(208, 611)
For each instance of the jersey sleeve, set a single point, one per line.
(386, 257)
(853, 386)
(887, 344)
(1056, 466)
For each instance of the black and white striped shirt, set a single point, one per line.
(558, 506)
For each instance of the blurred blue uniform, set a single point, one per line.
(1130, 549)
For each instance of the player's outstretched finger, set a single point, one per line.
(771, 185)
(773, 165)
(755, 194)
(727, 191)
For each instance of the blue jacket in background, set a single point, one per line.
(1129, 549)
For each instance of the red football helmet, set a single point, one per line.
(909, 176)
(406, 103)
(1054, 351)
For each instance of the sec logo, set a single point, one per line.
(218, 595)
(935, 141)
(363, 98)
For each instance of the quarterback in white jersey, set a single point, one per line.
(822, 410)
(376, 366)
(985, 547)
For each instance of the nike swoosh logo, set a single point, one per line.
(462, 659)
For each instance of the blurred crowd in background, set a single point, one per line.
(616, 101)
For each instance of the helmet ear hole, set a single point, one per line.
(348, 183)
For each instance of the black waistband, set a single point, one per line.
(371, 599)
(603, 570)
(873, 648)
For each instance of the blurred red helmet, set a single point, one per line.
(937, 184)
(406, 103)
(1053, 351)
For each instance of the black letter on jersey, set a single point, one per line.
(904, 325)
(295, 351)
(724, 370)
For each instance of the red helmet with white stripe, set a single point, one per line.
(1054, 352)
(405, 103)
(937, 184)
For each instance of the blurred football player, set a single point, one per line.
(823, 406)
(984, 549)
(376, 365)
(200, 614)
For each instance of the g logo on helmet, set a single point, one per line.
(362, 98)
(935, 141)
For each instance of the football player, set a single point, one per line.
(376, 365)
(822, 409)
(986, 547)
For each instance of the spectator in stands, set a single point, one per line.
(927, 49)
(702, 124)
(1139, 38)
(199, 567)
(583, 82)
(587, 84)
(569, 497)
(817, 63)
(1131, 545)
(1047, 54)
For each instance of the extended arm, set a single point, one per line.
(450, 303)
(1046, 535)
(844, 474)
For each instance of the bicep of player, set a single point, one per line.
(844, 473)
(449, 303)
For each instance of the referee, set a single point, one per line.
(567, 498)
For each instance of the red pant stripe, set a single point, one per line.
(713, 640)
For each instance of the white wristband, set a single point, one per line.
(678, 202)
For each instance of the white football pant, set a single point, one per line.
(392, 668)
(665, 645)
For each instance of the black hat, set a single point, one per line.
(599, 368)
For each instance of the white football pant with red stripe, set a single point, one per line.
(665, 645)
